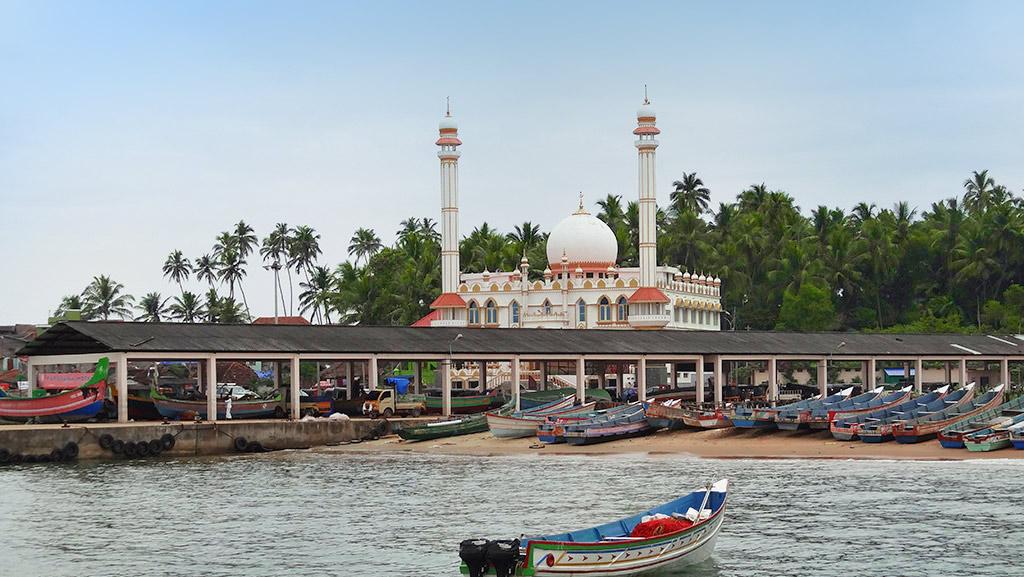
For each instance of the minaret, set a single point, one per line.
(646, 144)
(452, 307)
(647, 304)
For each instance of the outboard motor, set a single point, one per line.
(473, 553)
(504, 555)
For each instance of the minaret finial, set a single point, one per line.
(448, 104)
(581, 200)
(646, 100)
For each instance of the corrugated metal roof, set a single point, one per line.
(96, 337)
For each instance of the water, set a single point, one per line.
(310, 514)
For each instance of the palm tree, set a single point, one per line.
(153, 308)
(753, 197)
(428, 229)
(862, 213)
(275, 251)
(526, 237)
(611, 211)
(232, 271)
(690, 194)
(245, 238)
(229, 311)
(177, 268)
(105, 297)
(206, 269)
(212, 306)
(978, 191)
(409, 227)
(69, 303)
(304, 249)
(319, 294)
(187, 308)
(364, 244)
(225, 242)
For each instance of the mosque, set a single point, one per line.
(583, 286)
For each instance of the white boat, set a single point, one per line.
(609, 549)
(524, 423)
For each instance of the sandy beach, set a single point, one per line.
(718, 444)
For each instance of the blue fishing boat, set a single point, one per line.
(674, 534)
(847, 428)
(926, 426)
(798, 415)
(1017, 436)
(881, 430)
(952, 437)
(552, 431)
(624, 425)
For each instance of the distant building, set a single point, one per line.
(12, 338)
(583, 286)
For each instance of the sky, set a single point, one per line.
(131, 129)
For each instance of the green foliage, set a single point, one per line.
(808, 308)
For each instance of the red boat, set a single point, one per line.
(80, 404)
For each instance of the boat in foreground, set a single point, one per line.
(1017, 436)
(79, 404)
(952, 437)
(927, 426)
(674, 534)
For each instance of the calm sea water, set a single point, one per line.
(302, 513)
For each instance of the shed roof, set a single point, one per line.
(101, 337)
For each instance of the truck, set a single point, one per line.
(387, 402)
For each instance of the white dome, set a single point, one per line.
(447, 122)
(584, 240)
(645, 111)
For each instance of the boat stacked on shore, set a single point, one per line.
(1005, 415)
(848, 428)
(524, 423)
(926, 426)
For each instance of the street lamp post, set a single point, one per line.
(276, 267)
(446, 393)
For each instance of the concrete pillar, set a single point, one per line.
(374, 378)
(515, 380)
(211, 390)
(122, 388)
(277, 375)
(773, 380)
(700, 380)
(417, 375)
(293, 390)
(482, 371)
(581, 379)
(641, 379)
(906, 371)
(949, 372)
(543, 375)
(1004, 373)
(823, 377)
(918, 375)
(719, 381)
(673, 375)
(618, 380)
(963, 372)
(30, 376)
(446, 387)
(348, 380)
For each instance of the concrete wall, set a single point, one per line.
(190, 438)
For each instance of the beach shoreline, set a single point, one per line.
(712, 444)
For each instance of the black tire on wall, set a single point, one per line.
(241, 444)
(131, 450)
(142, 448)
(5, 455)
(56, 455)
(117, 447)
(256, 447)
(70, 450)
(105, 440)
(167, 440)
(156, 447)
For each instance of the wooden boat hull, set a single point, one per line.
(1017, 443)
(177, 409)
(594, 435)
(142, 409)
(879, 435)
(744, 418)
(663, 416)
(75, 405)
(707, 420)
(461, 405)
(512, 427)
(430, 431)
(596, 551)
(915, 432)
(989, 443)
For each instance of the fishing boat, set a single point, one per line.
(992, 438)
(846, 428)
(552, 430)
(625, 425)
(798, 415)
(463, 404)
(667, 414)
(880, 430)
(524, 423)
(702, 418)
(79, 404)
(672, 535)
(925, 427)
(952, 437)
(823, 417)
(465, 425)
(181, 409)
(1017, 436)
(532, 399)
(750, 417)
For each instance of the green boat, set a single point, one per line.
(461, 405)
(451, 428)
(528, 400)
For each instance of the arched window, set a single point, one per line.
(514, 311)
(581, 311)
(547, 306)
(474, 313)
(604, 309)
(623, 305)
(491, 312)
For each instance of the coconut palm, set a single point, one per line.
(525, 237)
(304, 249)
(69, 303)
(212, 306)
(611, 211)
(206, 269)
(690, 194)
(152, 308)
(177, 268)
(275, 252)
(225, 242)
(978, 191)
(245, 238)
(229, 311)
(231, 271)
(187, 308)
(364, 244)
(105, 297)
(319, 294)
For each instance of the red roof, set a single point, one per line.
(281, 321)
(448, 140)
(448, 301)
(648, 295)
(646, 130)
(427, 319)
